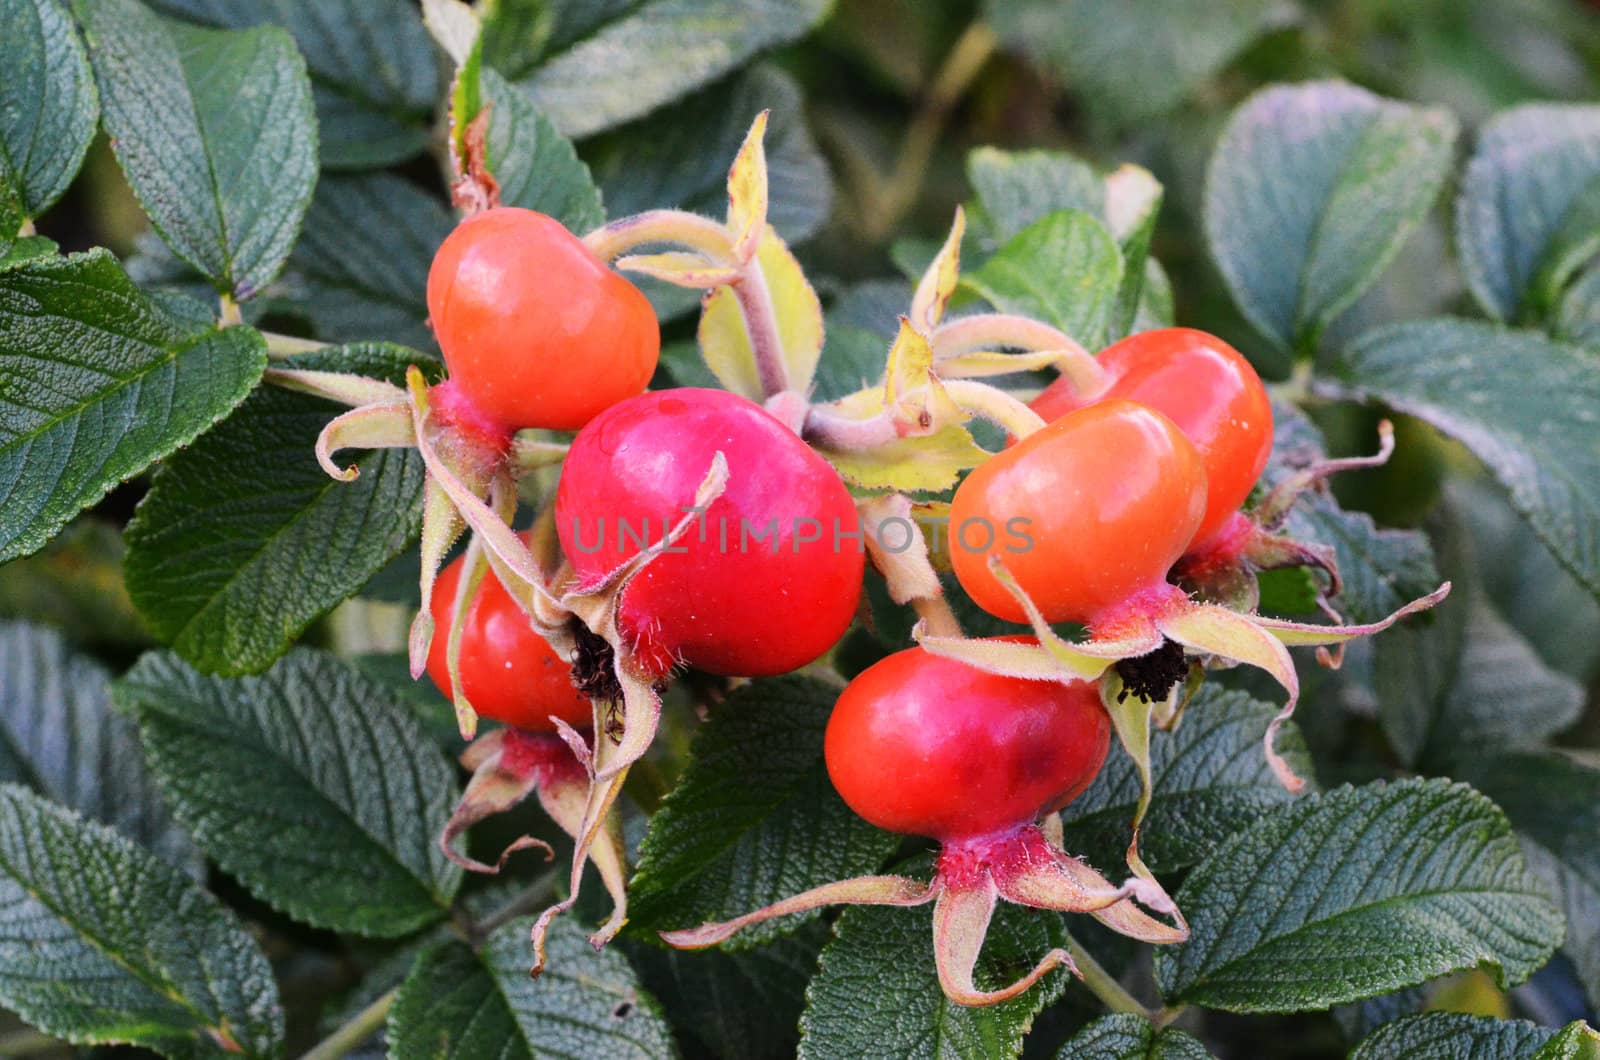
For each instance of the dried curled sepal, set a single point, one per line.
(1274, 508)
(592, 832)
(960, 924)
(475, 188)
(1210, 630)
(908, 571)
(566, 800)
(367, 427)
(1022, 866)
(507, 766)
(862, 890)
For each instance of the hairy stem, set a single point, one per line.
(761, 324)
(228, 313)
(358, 1029)
(1103, 985)
(935, 611)
(24, 232)
(828, 429)
(994, 405)
(677, 227)
(987, 331)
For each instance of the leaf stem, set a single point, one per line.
(24, 232)
(281, 346)
(994, 405)
(357, 1029)
(228, 313)
(1103, 985)
(677, 227)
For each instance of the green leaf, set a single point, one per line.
(1496, 691)
(1016, 188)
(1310, 193)
(101, 942)
(1576, 1041)
(657, 51)
(1453, 1036)
(743, 1004)
(229, 556)
(1064, 269)
(535, 165)
(215, 132)
(754, 818)
(373, 73)
(1129, 1037)
(309, 783)
(1523, 404)
(1554, 804)
(1525, 583)
(1130, 60)
(877, 993)
(679, 156)
(1529, 197)
(27, 249)
(360, 270)
(48, 106)
(461, 1004)
(517, 34)
(1210, 780)
(1354, 893)
(60, 737)
(96, 384)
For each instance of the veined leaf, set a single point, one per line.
(60, 737)
(360, 271)
(656, 51)
(1210, 779)
(1064, 269)
(101, 942)
(534, 164)
(1554, 804)
(96, 383)
(48, 107)
(243, 540)
(373, 73)
(460, 1005)
(309, 783)
(1357, 892)
(877, 993)
(1529, 198)
(1524, 405)
(1453, 1036)
(215, 132)
(1310, 193)
(1129, 1037)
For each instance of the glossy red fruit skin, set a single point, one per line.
(508, 672)
(1203, 385)
(729, 606)
(1112, 495)
(923, 745)
(535, 331)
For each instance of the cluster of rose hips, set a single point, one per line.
(699, 528)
